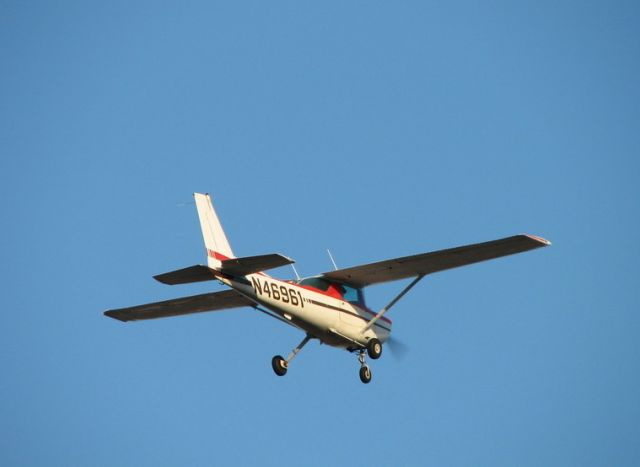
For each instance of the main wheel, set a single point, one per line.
(374, 348)
(365, 374)
(279, 365)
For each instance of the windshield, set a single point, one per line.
(316, 283)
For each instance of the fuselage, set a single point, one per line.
(336, 316)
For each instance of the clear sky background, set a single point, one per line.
(375, 129)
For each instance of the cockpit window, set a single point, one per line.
(348, 293)
(316, 283)
(351, 294)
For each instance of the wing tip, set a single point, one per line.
(161, 278)
(290, 260)
(116, 315)
(541, 240)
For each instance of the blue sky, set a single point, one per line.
(375, 129)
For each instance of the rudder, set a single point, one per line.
(215, 240)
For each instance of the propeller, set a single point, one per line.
(398, 349)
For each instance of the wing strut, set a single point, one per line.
(393, 302)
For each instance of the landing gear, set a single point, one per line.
(280, 365)
(365, 374)
(365, 371)
(374, 348)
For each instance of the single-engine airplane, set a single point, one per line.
(329, 307)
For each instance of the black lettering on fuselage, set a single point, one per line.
(256, 286)
(277, 291)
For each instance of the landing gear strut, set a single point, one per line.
(280, 365)
(365, 371)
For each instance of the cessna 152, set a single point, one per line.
(329, 307)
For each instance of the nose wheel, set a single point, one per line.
(365, 371)
(365, 374)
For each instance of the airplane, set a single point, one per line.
(329, 307)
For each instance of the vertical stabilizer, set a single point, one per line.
(215, 240)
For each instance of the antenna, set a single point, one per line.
(332, 260)
(295, 272)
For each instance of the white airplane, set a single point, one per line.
(329, 307)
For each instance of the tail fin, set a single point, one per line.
(215, 240)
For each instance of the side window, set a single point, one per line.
(351, 294)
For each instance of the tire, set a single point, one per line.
(374, 349)
(279, 365)
(365, 374)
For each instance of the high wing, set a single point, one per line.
(182, 306)
(427, 263)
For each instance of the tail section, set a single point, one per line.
(215, 240)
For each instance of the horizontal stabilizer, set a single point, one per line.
(196, 273)
(182, 306)
(250, 264)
